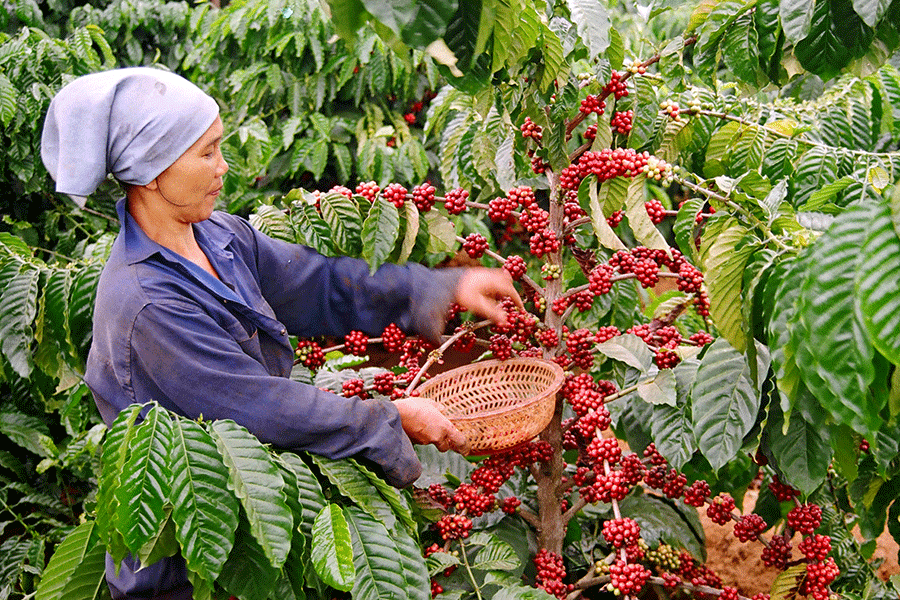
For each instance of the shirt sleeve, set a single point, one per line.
(182, 357)
(318, 295)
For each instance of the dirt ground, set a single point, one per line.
(739, 564)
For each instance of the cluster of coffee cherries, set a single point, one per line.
(605, 164)
(623, 533)
(478, 496)
(621, 121)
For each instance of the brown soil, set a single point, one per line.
(739, 564)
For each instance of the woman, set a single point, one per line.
(194, 307)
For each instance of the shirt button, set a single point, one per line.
(283, 331)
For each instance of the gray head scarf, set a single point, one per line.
(133, 123)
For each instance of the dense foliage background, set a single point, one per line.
(782, 118)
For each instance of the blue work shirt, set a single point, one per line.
(168, 331)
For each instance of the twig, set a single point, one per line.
(436, 355)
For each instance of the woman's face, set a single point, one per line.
(193, 182)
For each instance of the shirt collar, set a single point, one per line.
(139, 246)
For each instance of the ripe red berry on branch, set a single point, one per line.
(720, 509)
(455, 201)
(354, 387)
(777, 553)
(621, 532)
(356, 343)
(475, 245)
(531, 130)
(339, 189)
(368, 190)
(748, 527)
(393, 338)
(423, 197)
(395, 194)
(515, 266)
(805, 518)
(621, 122)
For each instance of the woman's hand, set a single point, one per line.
(424, 423)
(480, 290)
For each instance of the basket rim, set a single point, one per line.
(558, 373)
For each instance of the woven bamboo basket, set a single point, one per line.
(497, 404)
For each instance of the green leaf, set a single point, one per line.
(871, 11)
(554, 62)
(555, 142)
(115, 454)
(840, 353)
(725, 401)
(379, 233)
(8, 100)
(801, 450)
(646, 108)
(591, 18)
(204, 510)
(685, 226)
(673, 431)
(779, 158)
(442, 232)
(247, 574)
(310, 496)
(659, 390)
(827, 193)
(257, 482)
(379, 571)
(428, 22)
(27, 431)
(77, 568)
(353, 483)
(298, 563)
(145, 481)
(724, 261)
(410, 231)
(465, 153)
(18, 307)
(598, 207)
(418, 582)
(273, 222)
(767, 27)
(393, 497)
(823, 51)
(312, 230)
(344, 221)
(81, 305)
(645, 232)
(796, 16)
(878, 273)
(787, 582)
(347, 16)
(739, 49)
(676, 136)
(722, 141)
(332, 550)
(14, 246)
(56, 308)
(496, 555)
(629, 349)
(440, 467)
(162, 544)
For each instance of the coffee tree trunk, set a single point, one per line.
(550, 475)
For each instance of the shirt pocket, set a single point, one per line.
(245, 333)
